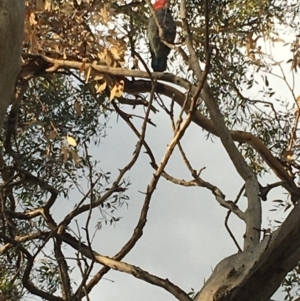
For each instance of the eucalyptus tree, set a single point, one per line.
(86, 61)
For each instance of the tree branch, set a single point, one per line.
(126, 268)
(253, 212)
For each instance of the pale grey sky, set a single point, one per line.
(185, 235)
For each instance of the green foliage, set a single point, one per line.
(46, 142)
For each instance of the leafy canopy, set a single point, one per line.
(85, 62)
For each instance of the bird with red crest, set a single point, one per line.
(159, 50)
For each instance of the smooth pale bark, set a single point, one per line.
(12, 14)
(256, 273)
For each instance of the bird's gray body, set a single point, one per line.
(159, 50)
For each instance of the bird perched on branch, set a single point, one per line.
(159, 50)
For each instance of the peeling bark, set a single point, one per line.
(12, 14)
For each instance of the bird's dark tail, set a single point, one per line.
(159, 64)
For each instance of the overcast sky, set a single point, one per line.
(185, 236)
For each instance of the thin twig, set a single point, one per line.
(227, 218)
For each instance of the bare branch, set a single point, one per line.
(126, 268)
(140, 86)
(264, 190)
(150, 190)
(63, 270)
(253, 212)
(227, 218)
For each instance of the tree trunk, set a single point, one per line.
(256, 273)
(12, 14)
